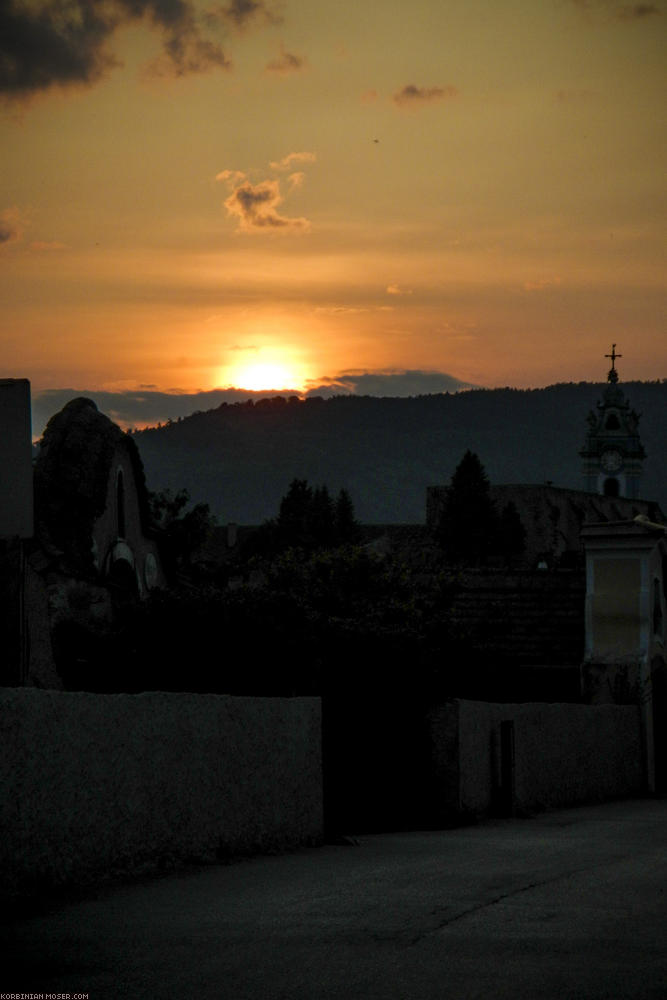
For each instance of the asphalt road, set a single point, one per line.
(569, 904)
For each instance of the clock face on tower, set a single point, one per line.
(611, 460)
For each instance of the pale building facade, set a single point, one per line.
(625, 621)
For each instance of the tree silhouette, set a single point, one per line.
(294, 521)
(309, 519)
(346, 525)
(181, 532)
(468, 524)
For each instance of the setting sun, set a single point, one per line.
(262, 375)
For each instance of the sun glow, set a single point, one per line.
(262, 375)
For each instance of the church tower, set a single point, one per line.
(613, 454)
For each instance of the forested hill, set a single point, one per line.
(240, 458)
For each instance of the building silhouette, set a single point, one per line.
(613, 454)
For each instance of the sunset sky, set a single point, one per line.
(245, 193)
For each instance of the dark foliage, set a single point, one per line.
(182, 532)
(285, 636)
(471, 530)
(308, 519)
(467, 528)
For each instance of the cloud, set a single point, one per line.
(231, 176)
(393, 383)
(184, 55)
(397, 290)
(286, 63)
(629, 12)
(7, 233)
(638, 11)
(146, 406)
(137, 408)
(369, 96)
(288, 161)
(46, 245)
(11, 226)
(240, 13)
(256, 207)
(341, 310)
(539, 284)
(412, 96)
(53, 43)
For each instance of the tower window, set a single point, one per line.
(611, 488)
(613, 423)
(120, 504)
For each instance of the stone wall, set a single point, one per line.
(92, 785)
(563, 755)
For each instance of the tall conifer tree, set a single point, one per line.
(468, 524)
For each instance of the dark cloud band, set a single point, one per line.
(241, 13)
(54, 43)
(148, 407)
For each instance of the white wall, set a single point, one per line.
(564, 754)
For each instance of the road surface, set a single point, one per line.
(569, 904)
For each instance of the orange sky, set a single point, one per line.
(200, 192)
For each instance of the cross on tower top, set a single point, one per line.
(613, 374)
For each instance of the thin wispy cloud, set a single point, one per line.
(638, 11)
(611, 8)
(47, 246)
(288, 161)
(341, 310)
(286, 63)
(541, 284)
(11, 226)
(413, 96)
(14, 227)
(231, 176)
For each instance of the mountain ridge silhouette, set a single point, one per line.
(241, 457)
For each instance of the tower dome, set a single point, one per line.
(613, 454)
